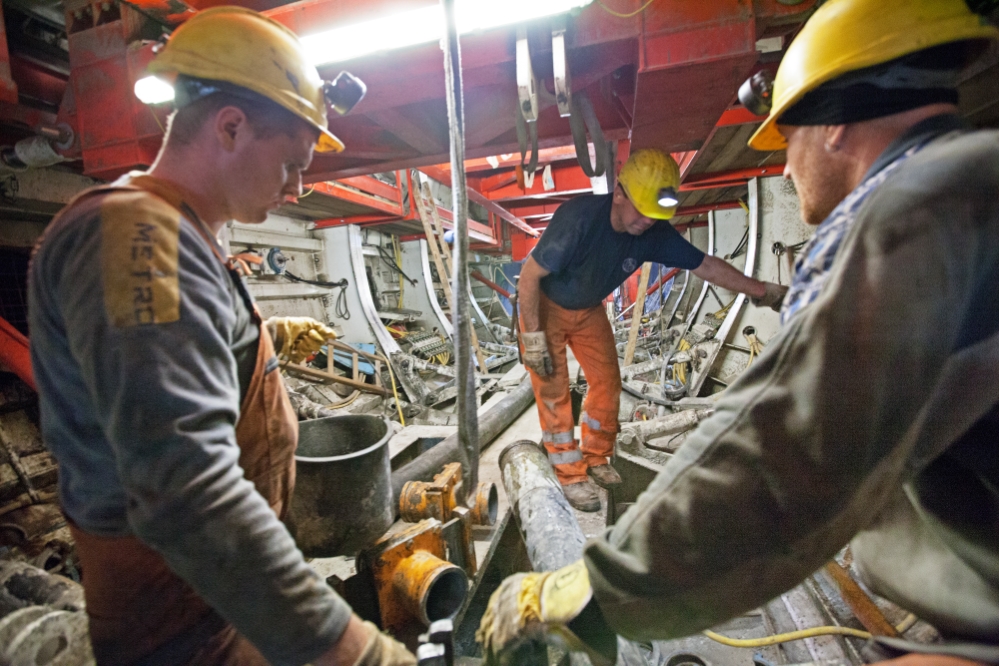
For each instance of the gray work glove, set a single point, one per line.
(772, 298)
(536, 356)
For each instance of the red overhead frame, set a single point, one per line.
(521, 245)
(389, 201)
(117, 132)
(687, 58)
(733, 178)
(479, 198)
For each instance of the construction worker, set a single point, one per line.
(592, 244)
(158, 382)
(872, 417)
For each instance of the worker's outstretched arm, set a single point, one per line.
(726, 276)
(532, 339)
(813, 440)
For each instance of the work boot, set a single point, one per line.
(604, 475)
(582, 496)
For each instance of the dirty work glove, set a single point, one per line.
(383, 650)
(297, 338)
(537, 608)
(772, 298)
(536, 356)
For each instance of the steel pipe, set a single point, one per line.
(547, 523)
(429, 587)
(491, 424)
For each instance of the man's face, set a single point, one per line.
(266, 172)
(821, 177)
(625, 218)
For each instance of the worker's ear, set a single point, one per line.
(834, 135)
(230, 125)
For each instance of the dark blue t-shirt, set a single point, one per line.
(588, 260)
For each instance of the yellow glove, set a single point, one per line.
(536, 608)
(296, 338)
(383, 650)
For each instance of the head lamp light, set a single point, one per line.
(667, 197)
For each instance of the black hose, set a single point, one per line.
(340, 309)
(390, 262)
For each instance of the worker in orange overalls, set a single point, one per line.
(593, 243)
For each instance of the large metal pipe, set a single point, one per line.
(551, 531)
(491, 424)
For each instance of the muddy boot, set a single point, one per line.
(604, 475)
(582, 496)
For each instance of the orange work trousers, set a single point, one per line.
(588, 333)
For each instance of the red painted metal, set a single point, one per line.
(738, 115)
(483, 200)
(117, 132)
(521, 246)
(8, 89)
(733, 178)
(489, 283)
(14, 352)
(568, 180)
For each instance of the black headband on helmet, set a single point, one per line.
(918, 79)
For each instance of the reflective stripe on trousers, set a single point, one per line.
(588, 333)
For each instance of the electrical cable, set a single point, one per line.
(901, 628)
(349, 400)
(390, 262)
(395, 393)
(341, 309)
(311, 190)
(784, 638)
(628, 15)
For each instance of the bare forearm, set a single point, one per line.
(724, 275)
(529, 295)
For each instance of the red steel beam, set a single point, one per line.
(568, 179)
(483, 200)
(338, 190)
(739, 115)
(733, 178)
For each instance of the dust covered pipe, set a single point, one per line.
(491, 424)
(550, 529)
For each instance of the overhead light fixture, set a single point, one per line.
(420, 26)
(667, 197)
(153, 90)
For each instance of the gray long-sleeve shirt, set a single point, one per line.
(141, 416)
(873, 412)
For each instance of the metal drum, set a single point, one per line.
(343, 498)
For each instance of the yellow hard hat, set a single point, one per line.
(847, 35)
(651, 178)
(247, 49)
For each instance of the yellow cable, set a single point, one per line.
(901, 628)
(744, 206)
(344, 403)
(784, 638)
(629, 15)
(906, 624)
(311, 190)
(395, 393)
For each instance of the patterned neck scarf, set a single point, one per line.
(817, 257)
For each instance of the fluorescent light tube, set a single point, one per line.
(420, 26)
